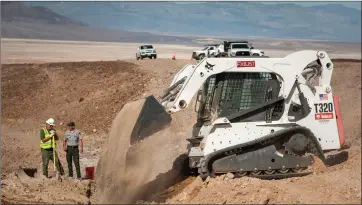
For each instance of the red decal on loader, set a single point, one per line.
(324, 116)
(243, 64)
(339, 121)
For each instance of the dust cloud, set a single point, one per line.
(127, 173)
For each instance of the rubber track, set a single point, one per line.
(266, 140)
(280, 176)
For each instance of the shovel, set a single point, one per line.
(54, 173)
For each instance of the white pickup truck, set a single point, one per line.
(231, 49)
(205, 52)
(241, 48)
(236, 48)
(145, 51)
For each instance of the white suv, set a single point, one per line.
(145, 51)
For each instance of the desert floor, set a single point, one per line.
(40, 51)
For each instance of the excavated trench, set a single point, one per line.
(30, 171)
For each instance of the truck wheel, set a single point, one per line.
(201, 56)
(256, 54)
(141, 57)
(154, 57)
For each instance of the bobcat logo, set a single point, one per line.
(209, 66)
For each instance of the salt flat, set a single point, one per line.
(40, 51)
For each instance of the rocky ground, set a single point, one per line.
(92, 93)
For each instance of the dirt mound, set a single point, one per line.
(337, 184)
(346, 84)
(23, 187)
(89, 93)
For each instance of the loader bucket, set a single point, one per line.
(151, 119)
(121, 171)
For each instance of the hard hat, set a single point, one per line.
(50, 121)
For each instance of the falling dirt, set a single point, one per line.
(126, 173)
(113, 184)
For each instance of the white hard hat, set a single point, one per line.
(50, 121)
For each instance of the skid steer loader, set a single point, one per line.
(257, 116)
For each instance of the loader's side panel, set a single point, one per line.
(339, 120)
(322, 118)
(151, 119)
(226, 135)
(325, 125)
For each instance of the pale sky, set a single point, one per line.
(350, 4)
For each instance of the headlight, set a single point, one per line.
(154, 51)
(233, 53)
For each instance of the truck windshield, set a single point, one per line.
(147, 47)
(205, 48)
(233, 46)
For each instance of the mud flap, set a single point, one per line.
(151, 119)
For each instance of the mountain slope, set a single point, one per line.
(230, 19)
(19, 20)
(18, 12)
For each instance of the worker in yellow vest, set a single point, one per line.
(46, 145)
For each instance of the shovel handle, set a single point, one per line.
(53, 143)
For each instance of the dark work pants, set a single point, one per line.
(47, 154)
(73, 155)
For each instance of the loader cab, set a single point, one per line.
(225, 94)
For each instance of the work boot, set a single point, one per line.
(77, 180)
(68, 177)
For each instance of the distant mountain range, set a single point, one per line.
(230, 19)
(19, 20)
(226, 19)
(18, 12)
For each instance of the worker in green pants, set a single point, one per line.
(46, 140)
(73, 144)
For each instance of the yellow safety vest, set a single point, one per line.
(48, 144)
